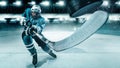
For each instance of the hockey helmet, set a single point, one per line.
(36, 9)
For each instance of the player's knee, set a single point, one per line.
(27, 40)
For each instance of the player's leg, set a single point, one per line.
(30, 46)
(44, 46)
(48, 42)
(47, 49)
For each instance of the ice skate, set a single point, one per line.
(34, 60)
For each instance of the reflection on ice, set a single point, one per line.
(57, 35)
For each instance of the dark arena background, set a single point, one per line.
(100, 50)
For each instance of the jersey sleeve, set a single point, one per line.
(27, 13)
(40, 25)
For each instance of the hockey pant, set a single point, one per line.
(28, 41)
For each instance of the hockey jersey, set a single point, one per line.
(39, 22)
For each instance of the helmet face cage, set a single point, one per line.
(36, 9)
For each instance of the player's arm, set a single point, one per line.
(40, 25)
(25, 17)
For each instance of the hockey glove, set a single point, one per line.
(25, 22)
(33, 30)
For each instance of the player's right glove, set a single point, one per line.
(24, 22)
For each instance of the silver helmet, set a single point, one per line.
(36, 9)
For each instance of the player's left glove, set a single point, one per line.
(34, 29)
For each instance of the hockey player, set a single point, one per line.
(33, 22)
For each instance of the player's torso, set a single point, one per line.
(35, 21)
